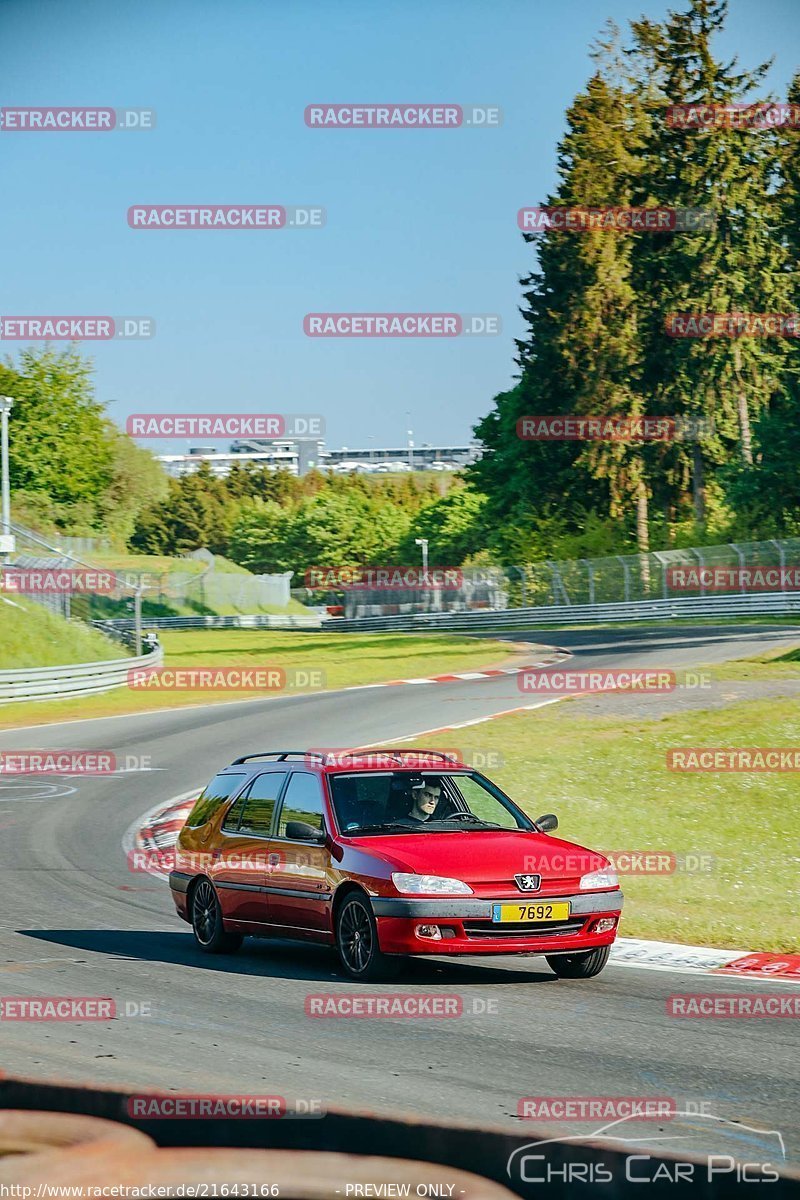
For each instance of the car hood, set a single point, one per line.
(486, 857)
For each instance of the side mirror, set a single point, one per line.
(298, 831)
(547, 823)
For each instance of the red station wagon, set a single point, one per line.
(385, 854)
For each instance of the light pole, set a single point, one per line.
(6, 539)
(424, 543)
(411, 449)
(137, 615)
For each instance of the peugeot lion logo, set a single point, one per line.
(528, 883)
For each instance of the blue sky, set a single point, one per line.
(416, 221)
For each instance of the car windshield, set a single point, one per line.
(392, 802)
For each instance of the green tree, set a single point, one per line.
(580, 355)
(137, 482)
(740, 266)
(260, 538)
(454, 527)
(59, 442)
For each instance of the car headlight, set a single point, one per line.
(438, 885)
(599, 879)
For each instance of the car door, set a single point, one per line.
(240, 870)
(299, 875)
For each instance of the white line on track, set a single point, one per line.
(462, 724)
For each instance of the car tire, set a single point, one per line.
(207, 924)
(357, 944)
(579, 966)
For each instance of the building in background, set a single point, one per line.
(298, 456)
(280, 456)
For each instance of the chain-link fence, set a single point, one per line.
(734, 568)
(743, 568)
(62, 581)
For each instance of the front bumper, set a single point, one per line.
(466, 925)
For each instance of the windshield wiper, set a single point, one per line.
(393, 825)
(468, 816)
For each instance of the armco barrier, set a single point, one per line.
(484, 1151)
(239, 621)
(80, 679)
(678, 608)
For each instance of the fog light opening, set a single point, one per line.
(429, 931)
(603, 925)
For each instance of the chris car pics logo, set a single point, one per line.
(549, 1160)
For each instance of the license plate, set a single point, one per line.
(540, 911)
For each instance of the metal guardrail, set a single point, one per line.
(80, 679)
(678, 608)
(239, 621)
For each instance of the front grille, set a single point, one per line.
(497, 889)
(478, 929)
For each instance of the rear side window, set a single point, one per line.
(260, 802)
(217, 792)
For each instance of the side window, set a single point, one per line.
(214, 796)
(234, 814)
(483, 804)
(302, 802)
(259, 804)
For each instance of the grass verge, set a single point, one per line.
(345, 659)
(31, 636)
(607, 781)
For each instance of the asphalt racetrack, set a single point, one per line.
(75, 921)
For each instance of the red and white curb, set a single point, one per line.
(457, 676)
(704, 960)
(149, 842)
(489, 673)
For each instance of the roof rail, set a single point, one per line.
(282, 755)
(279, 755)
(393, 752)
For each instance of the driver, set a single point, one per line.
(424, 804)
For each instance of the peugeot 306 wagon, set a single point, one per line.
(385, 854)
